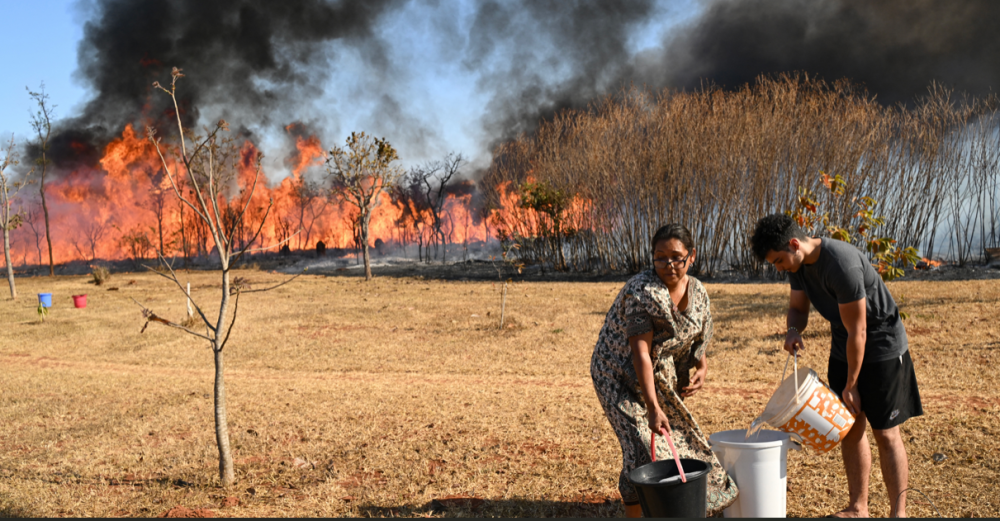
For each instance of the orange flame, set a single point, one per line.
(928, 264)
(127, 207)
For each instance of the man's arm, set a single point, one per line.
(854, 315)
(798, 319)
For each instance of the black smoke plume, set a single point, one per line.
(539, 57)
(895, 48)
(257, 62)
(554, 55)
(247, 59)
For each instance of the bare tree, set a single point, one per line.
(639, 159)
(93, 231)
(183, 232)
(311, 204)
(9, 219)
(432, 181)
(41, 123)
(359, 173)
(413, 215)
(31, 218)
(137, 243)
(208, 165)
(158, 198)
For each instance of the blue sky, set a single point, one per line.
(41, 38)
(443, 101)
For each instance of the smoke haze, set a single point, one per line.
(264, 64)
(896, 48)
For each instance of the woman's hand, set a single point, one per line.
(657, 420)
(697, 381)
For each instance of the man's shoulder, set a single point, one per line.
(841, 256)
(837, 248)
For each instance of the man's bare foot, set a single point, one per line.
(851, 512)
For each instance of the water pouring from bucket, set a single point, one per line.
(806, 408)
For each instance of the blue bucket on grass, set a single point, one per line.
(45, 299)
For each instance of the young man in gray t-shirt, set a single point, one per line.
(869, 363)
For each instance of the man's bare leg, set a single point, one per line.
(895, 468)
(633, 510)
(858, 465)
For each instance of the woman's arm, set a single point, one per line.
(644, 370)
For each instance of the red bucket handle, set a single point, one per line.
(670, 442)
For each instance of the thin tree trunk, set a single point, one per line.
(10, 267)
(38, 246)
(159, 225)
(503, 304)
(226, 474)
(184, 243)
(45, 212)
(444, 247)
(364, 244)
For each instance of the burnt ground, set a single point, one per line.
(338, 263)
(485, 270)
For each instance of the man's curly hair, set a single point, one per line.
(772, 233)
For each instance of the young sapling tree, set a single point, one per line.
(9, 219)
(41, 123)
(208, 166)
(506, 261)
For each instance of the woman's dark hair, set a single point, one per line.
(673, 231)
(772, 233)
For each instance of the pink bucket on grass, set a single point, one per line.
(80, 301)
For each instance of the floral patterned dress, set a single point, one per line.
(680, 338)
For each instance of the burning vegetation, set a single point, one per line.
(586, 190)
(123, 209)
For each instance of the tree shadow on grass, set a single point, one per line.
(476, 507)
(8, 511)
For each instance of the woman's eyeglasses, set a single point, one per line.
(676, 261)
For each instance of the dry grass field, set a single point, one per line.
(399, 397)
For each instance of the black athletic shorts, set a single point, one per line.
(888, 390)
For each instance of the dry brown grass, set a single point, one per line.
(376, 399)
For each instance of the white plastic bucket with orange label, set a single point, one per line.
(806, 407)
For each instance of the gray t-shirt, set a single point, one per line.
(842, 275)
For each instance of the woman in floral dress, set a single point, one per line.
(657, 330)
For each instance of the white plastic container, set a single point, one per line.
(809, 410)
(759, 468)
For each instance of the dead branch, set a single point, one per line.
(152, 317)
(273, 287)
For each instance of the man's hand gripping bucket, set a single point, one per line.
(807, 409)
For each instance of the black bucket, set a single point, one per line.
(672, 498)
